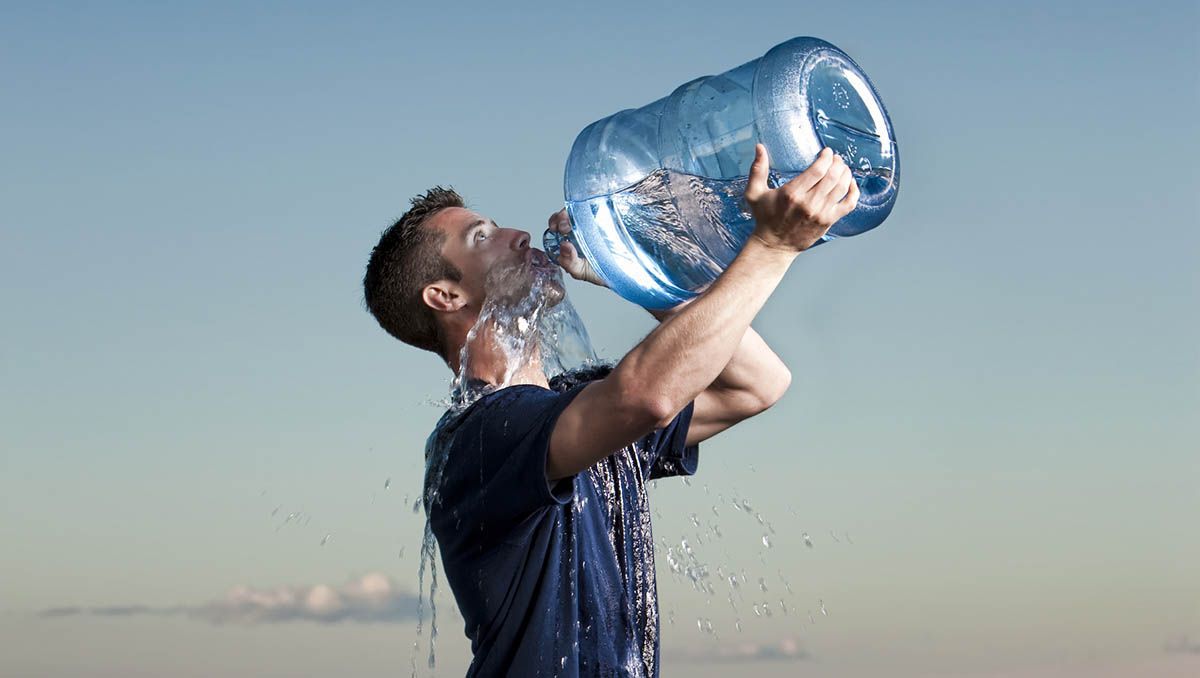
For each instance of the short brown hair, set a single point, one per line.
(407, 258)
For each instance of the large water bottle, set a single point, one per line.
(655, 194)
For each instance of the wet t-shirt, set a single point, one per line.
(551, 580)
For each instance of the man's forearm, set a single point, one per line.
(692, 347)
(754, 368)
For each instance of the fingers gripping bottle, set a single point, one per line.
(655, 194)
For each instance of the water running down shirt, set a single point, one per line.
(551, 581)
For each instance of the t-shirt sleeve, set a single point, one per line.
(670, 455)
(494, 471)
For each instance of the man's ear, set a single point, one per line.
(443, 295)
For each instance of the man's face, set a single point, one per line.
(493, 260)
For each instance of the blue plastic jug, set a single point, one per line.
(655, 194)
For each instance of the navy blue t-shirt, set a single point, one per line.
(551, 581)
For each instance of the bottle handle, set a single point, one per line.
(552, 244)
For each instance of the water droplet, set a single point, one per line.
(325, 539)
(766, 540)
(807, 540)
(387, 483)
(762, 584)
(823, 612)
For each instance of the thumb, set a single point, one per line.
(756, 185)
(569, 259)
(579, 267)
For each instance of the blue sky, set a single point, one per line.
(994, 392)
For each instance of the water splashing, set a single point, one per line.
(526, 329)
(526, 332)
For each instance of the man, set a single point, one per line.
(537, 495)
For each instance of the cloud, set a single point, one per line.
(371, 598)
(1182, 645)
(786, 650)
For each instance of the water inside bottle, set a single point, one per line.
(680, 228)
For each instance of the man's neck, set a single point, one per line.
(489, 364)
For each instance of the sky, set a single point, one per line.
(209, 450)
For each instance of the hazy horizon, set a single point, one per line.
(990, 437)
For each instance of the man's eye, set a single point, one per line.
(480, 234)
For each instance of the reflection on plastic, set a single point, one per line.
(655, 193)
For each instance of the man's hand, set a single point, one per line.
(570, 261)
(796, 215)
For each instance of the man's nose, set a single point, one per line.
(521, 241)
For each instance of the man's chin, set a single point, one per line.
(554, 291)
(547, 282)
(519, 285)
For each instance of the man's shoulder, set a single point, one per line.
(519, 397)
(580, 375)
(505, 411)
(518, 402)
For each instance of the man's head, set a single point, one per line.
(428, 277)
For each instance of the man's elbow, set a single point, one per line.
(745, 403)
(771, 391)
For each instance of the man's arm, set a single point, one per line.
(754, 379)
(682, 357)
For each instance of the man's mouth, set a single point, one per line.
(538, 259)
